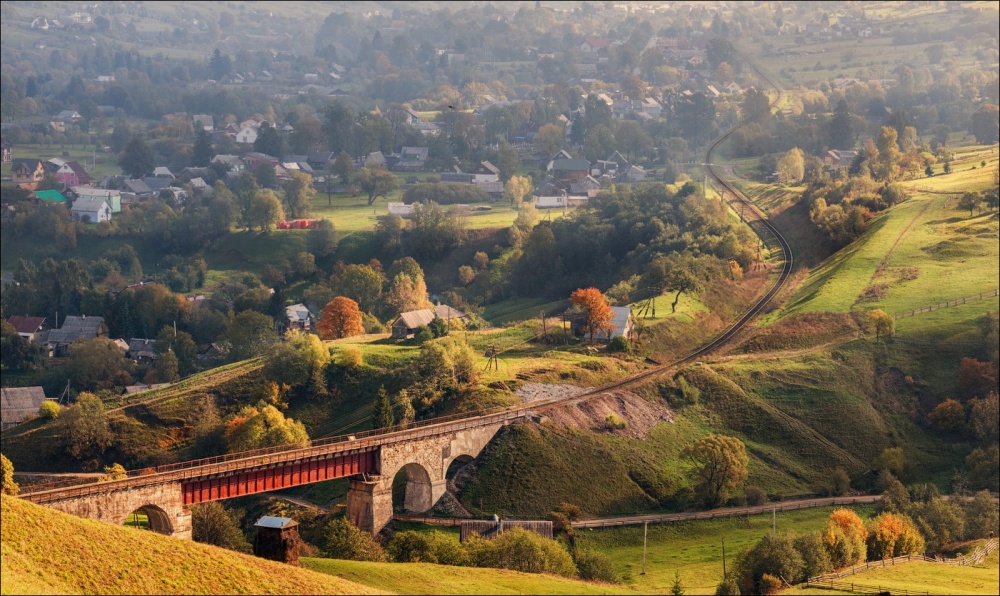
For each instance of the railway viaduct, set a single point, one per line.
(371, 460)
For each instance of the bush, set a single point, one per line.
(9, 487)
(691, 393)
(613, 422)
(727, 587)
(769, 584)
(422, 335)
(342, 540)
(619, 344)
(521, 550)
(755, 495)
(815, 559)
(433, 547)
(211, 523)
(350, 357)
(774, 556)
(49, 410)
(596, 567)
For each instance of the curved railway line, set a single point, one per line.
(443, 423)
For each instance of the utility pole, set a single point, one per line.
(723, 559)
(774, 521)
(645, 529)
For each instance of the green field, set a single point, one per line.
(424, 578)
(922, 578)
(913, 249)
(693, 549)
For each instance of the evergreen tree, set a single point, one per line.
(203, 152)
(137, 159)
(382, 412)
(839, 133)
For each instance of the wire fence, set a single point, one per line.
(949, 304)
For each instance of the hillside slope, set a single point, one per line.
(99, 558)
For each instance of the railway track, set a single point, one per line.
(527, 409)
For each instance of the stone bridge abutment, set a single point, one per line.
(425, 463)
(163, 505)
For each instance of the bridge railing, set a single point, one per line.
(360, 440)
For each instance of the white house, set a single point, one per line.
(247, 135)
(91, 210)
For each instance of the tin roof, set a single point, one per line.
(269, 521)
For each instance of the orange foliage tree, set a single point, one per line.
(340, 318)
(893, 535)
(844, 536)
(597, 311)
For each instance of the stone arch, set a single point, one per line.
(417, 488)
(159, 520)
(457, 463)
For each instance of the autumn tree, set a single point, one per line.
(882, 323)
(719, 467)
(322, 239)
(948, 416)
(888, 155)
(253, 428)
(85, 428)
(595, 309)
(791, 167)
(976, 379)
(516, 189)
(7, 484)
(298, 361)
(985, 124)
(360, 283)
(845, 535)
(549, 139)
(891, 535)
(264, 211)
(376, 182)
(299, 195)
(340, 318)
(343, 167)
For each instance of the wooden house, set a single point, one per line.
(19, 404)
(30, 328)
(27, 170)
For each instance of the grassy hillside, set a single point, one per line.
(924, 578)
(98, 558)
(424, 578)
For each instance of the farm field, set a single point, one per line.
(921, 577)
(693, 549)
(910, 252)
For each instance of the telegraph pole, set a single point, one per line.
(645, 529)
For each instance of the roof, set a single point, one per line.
(89, 205)
(443, 311)
(138, 345)
(26, 324)
(52, 196)
(597, 42)
(18, 403)
(137, 186)
(269, 521)
(29, 162)
(571, 164)
(415, 318)
(620, 319)
(74, 328)
(492, 168)
(297, 313)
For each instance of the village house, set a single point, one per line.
(408, 322)
(247, 135)
(19, 404)
(298, 317)
(27, 170)
(411, 159)
(548, 196)
(622, 321)
(567, 170)
(836, 158)
(91, 210)
(49, 196)
(141, 350)
(6, 151)
(235, 162)
(112, 197)
(75, 328)
(203, 122)
(30, 328)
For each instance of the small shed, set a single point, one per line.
(19, 404)
(407, 322)
(277, 539)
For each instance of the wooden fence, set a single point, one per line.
(973, 558)
(949, 304)
(861, 588)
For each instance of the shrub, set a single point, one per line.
(755, 495)
(893, 535)
(350, 357)
(422, 335)
(844, 537)
(49, 410)
(769, 584)
(211, 523)
(521, 550)
(433, 547)
(113, 472)
(596, 567)
(773, 556)
(613, 422)
(342, 540)
(815, 559)
(619, 344)
(691, 393)
(7, 484)
(727, 587)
